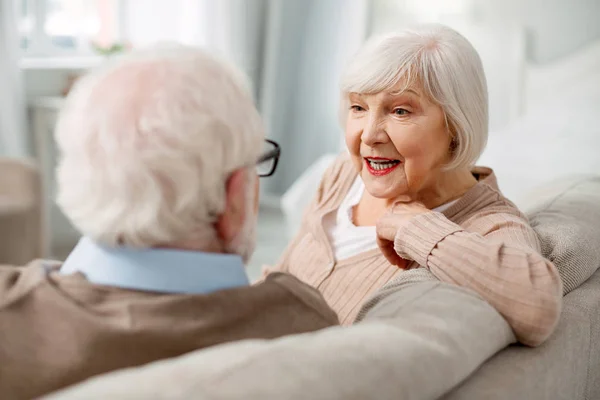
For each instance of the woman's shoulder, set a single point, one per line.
(486, 198)
(340, 168)
(485, 210)
(337, 179)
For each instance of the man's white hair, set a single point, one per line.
(147, 144)
(441, 62)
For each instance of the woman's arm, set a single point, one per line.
(502, 264)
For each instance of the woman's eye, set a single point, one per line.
(400, 111)
(356, 108)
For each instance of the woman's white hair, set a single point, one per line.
(146, 146)
(441, 62)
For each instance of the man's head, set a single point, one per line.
(159, 150)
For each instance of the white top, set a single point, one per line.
(347, 239)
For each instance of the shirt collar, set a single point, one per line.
(156, 270)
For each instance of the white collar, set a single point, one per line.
(156, 270)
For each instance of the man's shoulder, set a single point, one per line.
(9, 276)
(18, 280)
(10, 272)
(299, 292)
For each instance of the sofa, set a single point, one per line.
(21, 219)
(412, 342)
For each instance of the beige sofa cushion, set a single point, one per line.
(566, 367)
(568, 226)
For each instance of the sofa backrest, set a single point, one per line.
(568, 225)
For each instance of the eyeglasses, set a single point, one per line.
(267, 162)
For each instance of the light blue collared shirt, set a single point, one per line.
(156, 270)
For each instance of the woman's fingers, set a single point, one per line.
(390, 223)
(387, 249)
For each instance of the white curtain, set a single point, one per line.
(236, 29)
(13, 132)
(233, 28)
(293, 51)
(307, 44)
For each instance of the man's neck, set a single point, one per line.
(212, 245)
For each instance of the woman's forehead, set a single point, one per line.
(393, 92)
(404, 85)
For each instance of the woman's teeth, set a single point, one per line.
(381, 165)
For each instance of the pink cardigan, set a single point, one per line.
(482, 242)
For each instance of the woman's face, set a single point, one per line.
(398, 142)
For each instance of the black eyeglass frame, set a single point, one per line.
(270, 155)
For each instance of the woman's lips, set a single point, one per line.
(381, 166)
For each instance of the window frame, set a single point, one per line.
(40, 43)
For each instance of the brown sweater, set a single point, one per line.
(56, 330)
(482, 242)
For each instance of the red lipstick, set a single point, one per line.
(379, 166)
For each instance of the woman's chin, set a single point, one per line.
(381, 190)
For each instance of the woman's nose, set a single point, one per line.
(374, 132)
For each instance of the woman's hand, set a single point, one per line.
(392, 221)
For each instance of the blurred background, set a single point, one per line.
(542, 62)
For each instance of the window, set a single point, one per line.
(74, 28)
(68, 27)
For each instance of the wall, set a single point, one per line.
(505, 33)
(558, 27)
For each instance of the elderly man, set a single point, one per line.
(160, 155)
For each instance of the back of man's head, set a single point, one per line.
(147, 146)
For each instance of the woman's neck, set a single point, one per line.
(447, 186)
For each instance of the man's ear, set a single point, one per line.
(232, 220)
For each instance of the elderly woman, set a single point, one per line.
(407, 195)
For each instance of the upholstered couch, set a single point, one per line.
(410, 345)
(21, 228)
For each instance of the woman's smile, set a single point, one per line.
(379, 166)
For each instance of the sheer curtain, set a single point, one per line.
(236, 29)
(306, 46)
(13, 136)
(293, 51)
(232, 28)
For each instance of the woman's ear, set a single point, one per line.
(453, 136)
(231, 221)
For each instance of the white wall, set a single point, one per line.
(505, 33)
(558, 27)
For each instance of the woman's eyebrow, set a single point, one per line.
(407, 91)
(357, 97)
